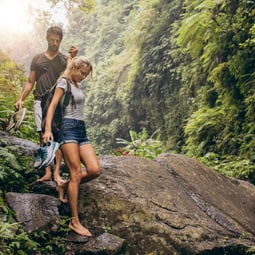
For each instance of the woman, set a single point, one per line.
(74, 144)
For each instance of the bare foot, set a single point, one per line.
(61, 193)
(44, 178)
(79, 229)
(59, 181)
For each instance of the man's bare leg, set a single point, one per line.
(47, 175)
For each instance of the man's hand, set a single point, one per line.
(18, 104)
(73, 51)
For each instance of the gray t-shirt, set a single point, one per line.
(47, 72)
(73, 111)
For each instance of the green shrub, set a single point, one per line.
(232, 166)
(141, 145)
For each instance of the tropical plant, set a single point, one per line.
(12, 79)
(141, 145)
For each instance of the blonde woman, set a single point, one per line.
(74, 143)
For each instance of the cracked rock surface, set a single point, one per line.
(171, 205)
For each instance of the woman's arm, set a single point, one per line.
(59, 92)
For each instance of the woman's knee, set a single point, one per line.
(76, 174)
(94, 171)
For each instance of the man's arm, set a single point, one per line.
(26, 90)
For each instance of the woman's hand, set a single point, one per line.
(47, 136)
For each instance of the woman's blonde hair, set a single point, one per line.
(77, 62)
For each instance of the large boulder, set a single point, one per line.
(21, 146)
(35, 211)
(171, 205)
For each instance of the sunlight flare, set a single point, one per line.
(14, 16)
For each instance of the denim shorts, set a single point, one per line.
(73, 131)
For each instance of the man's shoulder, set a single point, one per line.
(38, 56)
(42, 54)
(62, 56)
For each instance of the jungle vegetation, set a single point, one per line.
(183, 69)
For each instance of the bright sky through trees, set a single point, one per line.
(15, 17)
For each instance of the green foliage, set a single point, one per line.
(12, 165)
(12, 80)
(232, 166)
(221, 48)
(14, 240)
(192, 30)
(50, 243)
(141, 145)
(202, 130)
(12, 168)
(251, 251)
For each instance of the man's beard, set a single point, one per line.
(53, 48)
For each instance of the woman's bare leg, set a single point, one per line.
(60, 183)
(71, 154)
(61, 189)
(57, 176)
(90, 161)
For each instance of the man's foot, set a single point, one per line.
(79, 229)
(46, 177)
(61, 193)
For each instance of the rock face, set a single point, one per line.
(171, 205)
(35, 212)
(22, 146)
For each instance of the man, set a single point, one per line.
(45, 69)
